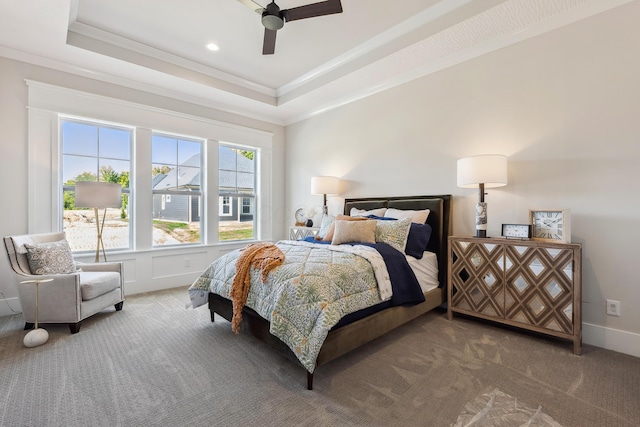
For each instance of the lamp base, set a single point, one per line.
(481, 219)
(36, 337)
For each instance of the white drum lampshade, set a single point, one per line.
(325, 185)
(99, 195)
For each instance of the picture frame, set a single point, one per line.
(551, 225)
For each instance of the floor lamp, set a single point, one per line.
(325, 185)
(99, 195)
(485, 171)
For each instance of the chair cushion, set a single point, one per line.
(50, 258)
(96, 283)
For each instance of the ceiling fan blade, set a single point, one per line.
(322, 8)
(252, 5)
(269, 44)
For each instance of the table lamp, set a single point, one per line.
(98, 195)
(325, 185)
(484, 171)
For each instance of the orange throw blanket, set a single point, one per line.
(264, 256)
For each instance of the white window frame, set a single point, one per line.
(47, 102)
(128, 191)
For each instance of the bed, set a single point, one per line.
(358, 327)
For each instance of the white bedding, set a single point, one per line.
(426, 270)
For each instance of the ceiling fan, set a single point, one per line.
(273, 18)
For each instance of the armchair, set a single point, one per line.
(69, 298)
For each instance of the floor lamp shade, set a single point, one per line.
(325, 185)
(99, 195)
(484, 171)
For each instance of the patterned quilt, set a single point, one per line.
(308, 294)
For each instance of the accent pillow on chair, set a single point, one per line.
(50, 258)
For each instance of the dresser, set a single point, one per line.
(533, 285)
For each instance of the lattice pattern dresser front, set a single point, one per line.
(529, 284)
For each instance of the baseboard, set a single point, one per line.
(611, 339)
(9, 306)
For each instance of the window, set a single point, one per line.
(225, 206)
(237, 191)
(95, 152)
(176, 189)
(247, 205)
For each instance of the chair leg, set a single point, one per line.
(119, 305)
(74, 327)
(28, 326)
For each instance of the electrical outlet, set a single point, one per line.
(613, 307)
(187, 262)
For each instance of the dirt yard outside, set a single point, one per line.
(81, 231)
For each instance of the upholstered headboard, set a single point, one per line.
(439, 219)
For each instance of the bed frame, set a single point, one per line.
(351, 336)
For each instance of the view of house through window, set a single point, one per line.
(177, 197)
(237, 193)
(95, 152)
(99, 152)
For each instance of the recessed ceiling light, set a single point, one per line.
(213, 47)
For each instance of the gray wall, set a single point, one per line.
(564, 107)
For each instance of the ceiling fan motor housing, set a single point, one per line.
(272, 17)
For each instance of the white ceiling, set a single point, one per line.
(319, 63)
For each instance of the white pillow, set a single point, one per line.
(362, 212)
(419, 217)
(354, 232)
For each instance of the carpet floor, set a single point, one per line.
(157, 363)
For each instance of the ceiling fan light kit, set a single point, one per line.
(273, 18)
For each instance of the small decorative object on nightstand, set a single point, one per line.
(301, 216)
(297, 233)
(37, 336)
(516, 231)
(552, 225)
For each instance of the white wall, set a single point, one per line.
(28, 159)
(564, 107)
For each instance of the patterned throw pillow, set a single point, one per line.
(325, 225)
(393, 233)
(50, 258)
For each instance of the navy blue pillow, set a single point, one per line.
(419, 235)
(380, 218)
